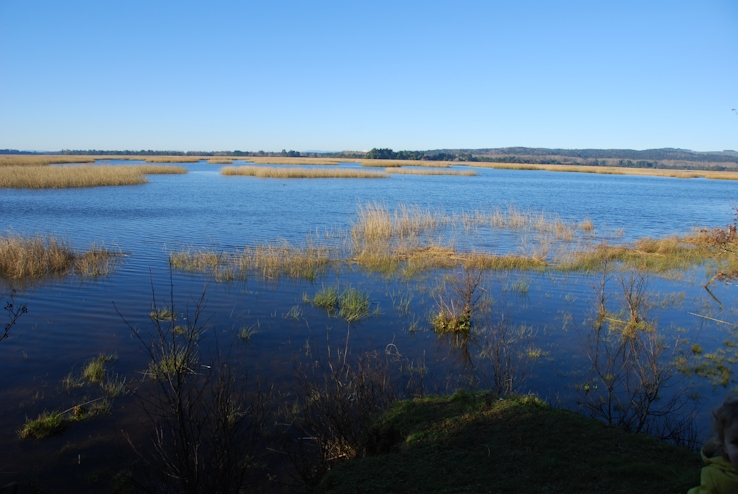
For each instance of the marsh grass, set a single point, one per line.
(278, 160)
(272, 172)
(63, 177)
(42, 160)
(174, 159)
(272, 261)
(402, 163)
(220, 161)
(327, 299)
(423, 171)
(353, 305)
(95, 371)
(409, 240)
(45, 425)
(159, 169)
(350, 304)
(26, 257)
(221, 267)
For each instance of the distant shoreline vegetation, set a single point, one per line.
(664, 158)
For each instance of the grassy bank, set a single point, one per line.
(271, 172)
(479, 443)
(64, 177)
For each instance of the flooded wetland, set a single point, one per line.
(585, 289)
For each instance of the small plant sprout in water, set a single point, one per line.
(246, 333)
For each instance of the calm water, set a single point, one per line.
(71, 321)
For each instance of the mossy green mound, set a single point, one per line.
(475, 442)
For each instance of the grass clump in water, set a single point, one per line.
(94, 371)
(272, 261)
(351, 304)
(327, 298)
(354, 305)
(33, 257)
(47, 424)
(272, 172)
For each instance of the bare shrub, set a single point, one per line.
(331, 417)
(203, 424)
(634, 378)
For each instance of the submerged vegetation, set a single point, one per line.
(35, 257)
(273, 172)
(62, 177)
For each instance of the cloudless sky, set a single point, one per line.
(347, 75)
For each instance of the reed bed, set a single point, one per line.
(409, 240)
(272, 261)
(26, 257)
(63, 177)
(279, 160)
(174, 159)
(220, 161)
(510, 217)
(401, 163)
(270, 172)
(42, 160)
(158, 169)
(422, 171)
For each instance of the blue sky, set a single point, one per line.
(268, 75)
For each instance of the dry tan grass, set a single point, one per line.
(159, 169)
(420, 171)
(26, 257)
(62, 177)
(278, 160)
(174, 159)
(42, 160)
(271, 172)
(272, 261)
(399, 163)
(587, 225)
(220, 161)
